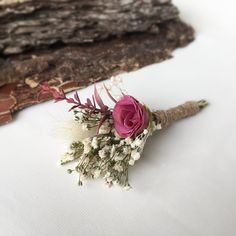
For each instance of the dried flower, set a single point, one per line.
(87, 145)
(94, 143)
(135, 155)
(130, 117)
(119, 157)
(118, 167)
(97, 173)
(102, 153)
(121, 134)
(131, 162)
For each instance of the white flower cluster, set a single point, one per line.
(107, 156)
(105, 127)
(86, 119)
(87, 145)
(114, 86)
(80, 117)
(104, 151)
(137, 146)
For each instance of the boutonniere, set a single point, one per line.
(116, 135)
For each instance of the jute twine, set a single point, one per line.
(167, 117)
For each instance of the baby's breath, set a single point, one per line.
(106, 156)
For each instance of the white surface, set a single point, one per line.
(185, 183)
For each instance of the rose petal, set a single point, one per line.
(130, 117)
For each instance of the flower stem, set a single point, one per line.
(167, 117)
(202, 103)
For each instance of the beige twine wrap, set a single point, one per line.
(167, 117)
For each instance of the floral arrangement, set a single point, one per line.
(117, 135)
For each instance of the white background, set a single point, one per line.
(184, 184)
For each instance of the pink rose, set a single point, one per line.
(130, 117)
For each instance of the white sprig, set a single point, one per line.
(87, 145)
(94, 143)
(97, 173)
(118, 167)
(102, 153)
(131, 162)
(135, 155)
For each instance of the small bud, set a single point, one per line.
(132, 145)
(135, 155)
(145, 131)
(131, 162)
(127, 187)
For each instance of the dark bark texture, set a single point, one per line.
(71, 44)
(42, 23)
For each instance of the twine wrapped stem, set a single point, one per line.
(167, 117)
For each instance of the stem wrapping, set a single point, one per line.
(167, 117)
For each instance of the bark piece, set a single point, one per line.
(36, 24)
(73, 67)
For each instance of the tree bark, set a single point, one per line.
(36, 24)
(72, 44)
